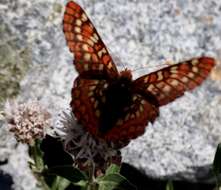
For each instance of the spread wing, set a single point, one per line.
(171, 82)
(91, 57)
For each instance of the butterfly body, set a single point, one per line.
(113, 105)
(118, 96)
(110, 104)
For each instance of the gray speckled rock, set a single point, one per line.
(141, 34)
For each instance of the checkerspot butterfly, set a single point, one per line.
(108, 103)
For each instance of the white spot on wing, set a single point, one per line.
(101, 52)
(92, 87)
(159, 75)
(90, 42)
(167, 88)
(77, 29)
(78, 22)
(85, 47)
(79, 37)
(146, 79)
(141, 108)
(174, 68)
(84, 17)
(195, 69)
(86, 67)
(174, 82)
(101, 67)
(184, 79)
(87, 57)
(195, 61)
(109, 65)
(150, 87)
(96, 36)
(191, 75)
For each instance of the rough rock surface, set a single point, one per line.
(140, 35)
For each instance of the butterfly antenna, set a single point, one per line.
(124, 66)
(117, 60)
(152, 67)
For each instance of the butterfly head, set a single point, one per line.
(124, 83)
(126, 74)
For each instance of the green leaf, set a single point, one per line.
(169, 185)
(113, 168)
(115, 182)
(60, 183)
(68, 172)
(81, 183)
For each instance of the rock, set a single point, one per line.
(142, 34)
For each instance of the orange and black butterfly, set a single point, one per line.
(108, 103)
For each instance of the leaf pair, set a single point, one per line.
(112, 180)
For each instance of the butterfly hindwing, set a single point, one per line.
(85, 102)
(134, 121)
(90, 54)
(171, 82)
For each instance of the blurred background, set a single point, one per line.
(35, 63)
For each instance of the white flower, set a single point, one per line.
(27, 121)
(83, 147)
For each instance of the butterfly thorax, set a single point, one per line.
(118, 96)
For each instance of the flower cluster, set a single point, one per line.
(27, 121)
(84, 148)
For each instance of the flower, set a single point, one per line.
(84, 148)
(27, 121)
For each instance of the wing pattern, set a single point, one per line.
(90, 54)
(99, 92)
(87, 98)
(171, 82)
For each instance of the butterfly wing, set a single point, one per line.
(86, 97)
(86, 103)
(134, 121)
(91, 57)
(167, 84)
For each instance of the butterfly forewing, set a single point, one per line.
(171, 82)
(90, 54)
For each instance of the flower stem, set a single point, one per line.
(92, 185)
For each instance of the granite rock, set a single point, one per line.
(141, 35)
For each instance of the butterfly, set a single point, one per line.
(110, 104)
